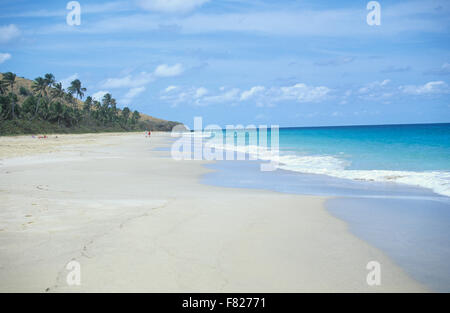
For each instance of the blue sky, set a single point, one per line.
(291, 63)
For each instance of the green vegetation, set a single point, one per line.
(45, 107)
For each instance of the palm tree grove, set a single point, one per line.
(44, 106)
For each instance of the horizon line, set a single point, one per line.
(357, 125)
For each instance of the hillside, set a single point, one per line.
(39, 111)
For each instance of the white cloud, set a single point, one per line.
(4, 57)
(385, 82)
(303, 93)
(133, 92)
(175, 99)
(428, 88)
(8, 32)
(227, 96)
(262, 96)
(200, 92)
(143, 78)
(66, 81)
(175, 95)
(99, 95)
(171, 6)
(170, 88)
(131, 81)
(165, 70)
(377, 85)
(252, 92)
(376, 90)
(118, 82)
(197, 96)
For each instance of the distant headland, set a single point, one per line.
(42, 105)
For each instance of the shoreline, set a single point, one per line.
(402, 221)
(139, 221)
(412, 232)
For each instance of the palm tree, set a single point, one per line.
(113, 110)
(14, 99)
(114, 104)
(69, 98)
(58, 91)
(135, 117)
(75, 88)
(87, 108)
(104, 110)
(40, 87)
(97, 105)
(107, 99)
(88, 104)
(126, 113)
(43, 109)
(68, 115)
(56, 111)
(3, 86)
(9, 80)
(49, 79)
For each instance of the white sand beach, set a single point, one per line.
(138, 221)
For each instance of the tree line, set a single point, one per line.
(48, 101)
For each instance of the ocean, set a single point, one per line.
(417, 155)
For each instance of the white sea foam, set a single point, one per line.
(438, 181)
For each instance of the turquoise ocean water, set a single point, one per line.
(424, 147)
(417, 155)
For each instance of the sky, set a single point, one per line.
(260, 62)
